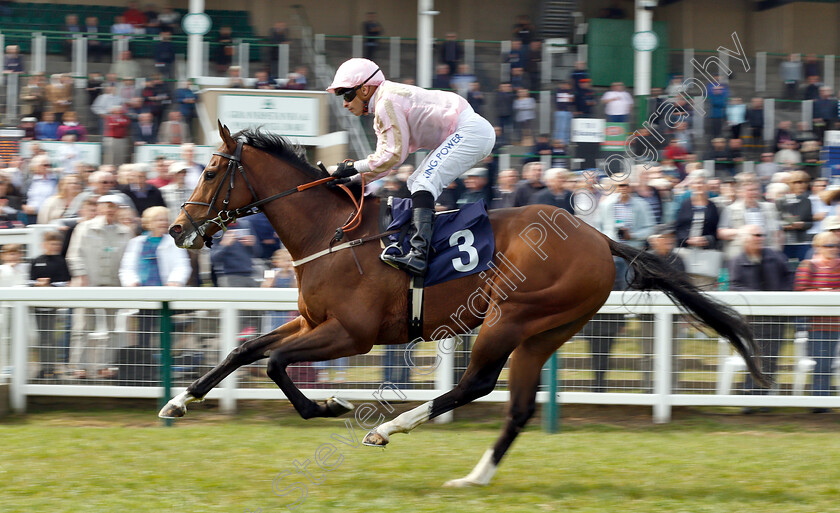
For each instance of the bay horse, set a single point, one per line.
(552, 273)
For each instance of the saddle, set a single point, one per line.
(462, 244)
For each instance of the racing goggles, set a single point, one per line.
(350, 94)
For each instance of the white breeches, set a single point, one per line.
(471, 143)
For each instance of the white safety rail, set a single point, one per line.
(639, 350)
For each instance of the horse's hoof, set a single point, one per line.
(374, 439)
(461, 483)
(172, 411)
(338, 406)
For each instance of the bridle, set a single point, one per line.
(225, 216)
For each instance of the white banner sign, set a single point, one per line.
(832, 138)
(148, 153)
(283, 115)
(588, 130)
(88, 152)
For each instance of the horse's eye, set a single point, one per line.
(209, 175)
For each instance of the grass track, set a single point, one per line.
(124, 462)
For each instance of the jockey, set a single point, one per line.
(408, 118)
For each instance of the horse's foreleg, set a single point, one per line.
(328, 341)
(249, 352)
(487, 360)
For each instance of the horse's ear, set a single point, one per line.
(224, 133)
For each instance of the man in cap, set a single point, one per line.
(408, 118)
(93, 257)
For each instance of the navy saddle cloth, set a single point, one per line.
(462, 240)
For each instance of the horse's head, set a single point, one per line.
(215, 197)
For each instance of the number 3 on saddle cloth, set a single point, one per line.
(462, 240)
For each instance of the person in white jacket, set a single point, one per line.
(150, 259)
(153, 258)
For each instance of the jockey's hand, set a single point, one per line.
(338, 181)
(345, 169)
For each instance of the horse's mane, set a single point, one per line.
(280, 147)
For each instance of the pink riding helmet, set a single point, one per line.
(354, 72)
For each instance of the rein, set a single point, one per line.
(226, 216)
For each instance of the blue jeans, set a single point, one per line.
(617, 118)
(562, 125)
(821, 347)
(395, 366)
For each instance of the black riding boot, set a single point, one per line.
(416, 260)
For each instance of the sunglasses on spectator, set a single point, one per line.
(829, 245)
(350, 94)
(758, 235)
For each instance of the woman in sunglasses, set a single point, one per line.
(406, 119)
(822, 273)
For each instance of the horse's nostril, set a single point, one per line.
(176, 228)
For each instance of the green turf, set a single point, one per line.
(125, 462)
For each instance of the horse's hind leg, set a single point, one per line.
(488, 357)
(524, 380)
(247, 353)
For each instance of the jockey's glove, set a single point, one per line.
(345, 169)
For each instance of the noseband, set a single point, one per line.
(224, 216)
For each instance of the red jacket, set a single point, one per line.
(116, 126)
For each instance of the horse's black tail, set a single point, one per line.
(651, 272)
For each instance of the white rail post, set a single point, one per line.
(445, 372)
(20, 350)
(230, 321)
(663, 349)
(357, 46)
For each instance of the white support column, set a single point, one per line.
(394, 57)
(197, 54)
(504, 67)
(545, 160)
(724, 58)
(760, 72)
(828, 73)
(748, 166)
(357, 46)
(20, 350)
(425, 41)
(79, 66)
(319, 44)
(769, 119)
(583, 53)
(13, 99)
(504, 161)
(663, 348)
(545, 112)
(39, 53)
(546, 65)
(642, 60)
(445, 372)
(283, 60)
(203, 60)
(688, 59)
(228, 330)
(709, 167)
(808, 113)
(244, 56)
(469, 54)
